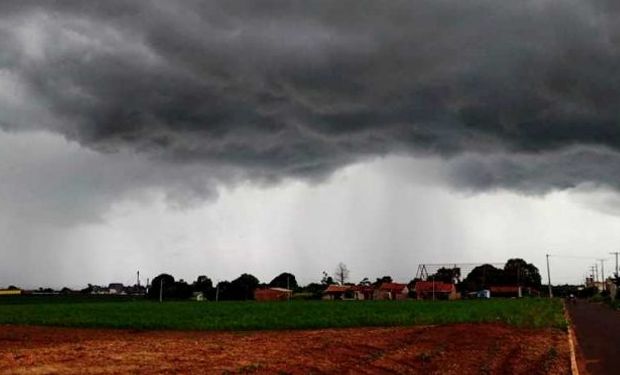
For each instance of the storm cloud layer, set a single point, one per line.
(521, 95)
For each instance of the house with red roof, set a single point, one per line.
(363, 292)
(339, 292)
(391, 291)
(348, 292)
(435, 290)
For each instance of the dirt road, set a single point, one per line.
(597, 328)
(449, 349)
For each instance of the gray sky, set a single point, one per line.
(208, 138)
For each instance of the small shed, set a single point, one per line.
(273, 294)
(391, 291)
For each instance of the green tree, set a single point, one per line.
(483, 276)
(203, 285)
(447, 275)
(165, 280)
(284, 280)
(241, 288)
(327, 280)
(518, 272)
(315, 289)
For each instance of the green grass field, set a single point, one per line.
(141, 314)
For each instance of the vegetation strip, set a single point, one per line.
(530, 313)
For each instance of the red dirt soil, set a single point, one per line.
(448, 349)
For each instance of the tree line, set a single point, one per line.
(515, 272)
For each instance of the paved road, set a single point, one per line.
(597, 328)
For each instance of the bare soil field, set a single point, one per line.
(446, 349)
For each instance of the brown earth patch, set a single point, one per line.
(448, 349)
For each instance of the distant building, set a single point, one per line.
(116, 288)
(391, 291)
(512, 291)
(273, 294)
(339, 292)
(435, 290)
(506, 291)
(198, 296)
(363, 292)
(590, 282)
(136, 290)
(10, 292)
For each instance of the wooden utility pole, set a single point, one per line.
(549, 278)
(602, 273)
(596, 272)
(161, 290)
(616, 254)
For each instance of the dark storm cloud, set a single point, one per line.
(298, 88)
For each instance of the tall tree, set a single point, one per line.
(168, 286)
(284, 280)
(204, 285)
(241, 288)
(327, 280)
(484, 276)
(447, 275)
(341, 274)
(518, 272)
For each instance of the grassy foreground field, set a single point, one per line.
(534, 313)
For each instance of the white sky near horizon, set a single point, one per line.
(383, 216)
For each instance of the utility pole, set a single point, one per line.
(596, 272)
(602, 273)
(161, 290)
(549, 278)
(616, 254)
(138, 279)
(288, 287)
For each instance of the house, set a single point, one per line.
(273, 294)
(336, 292)
(363, 292)
(435, 290)
(391, 291)
(115, 288)
(10, 292)
(198, 296)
